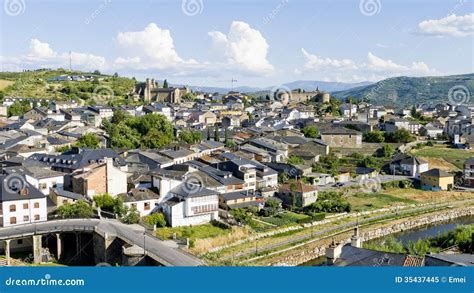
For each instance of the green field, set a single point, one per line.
(373, 201)
(192, 232)
(284, 219)
(450, 155)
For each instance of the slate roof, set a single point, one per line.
(436, 173)
(6, 194)
(75, 160)
(189, 190)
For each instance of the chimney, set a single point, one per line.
(333, 252)
(356, 241)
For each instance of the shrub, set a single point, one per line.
(156, 219)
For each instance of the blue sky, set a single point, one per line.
(259, 43)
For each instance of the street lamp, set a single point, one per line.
(144, 243)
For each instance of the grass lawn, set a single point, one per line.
(424, 196)
(4, 83)
(284, 219)
(192, 232)
(372, 201)
(450, 155)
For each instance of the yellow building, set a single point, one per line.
(436, 179)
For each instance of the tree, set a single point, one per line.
(216, 133)
(97, 72)
(105, 202)
(115, 75)
(310, 131)
(156, 219)
(190, 136)
(273, 205)
(386, 151)
(241, 215)
(18, 108)
(226, 136)
(155, 139)
(118, 117)
(188, 97)
(282, 177)
(122, 136)
(132, 217)
(120, 209)
(165, 84)
(369, 162)
(294, 160)
(293, 200)
(399, 136)
(89, 141)
(374, 136)
(79, 209)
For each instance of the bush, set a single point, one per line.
(79, 209)
(156, 219)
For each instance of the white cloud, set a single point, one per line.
(452, 25)
(347, 70)
(41, 54)
(151, 48)
(315, 62)
(243, 48)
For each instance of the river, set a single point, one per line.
(414, 234)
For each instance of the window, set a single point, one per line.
(147, 206)
(13, 208)
(42, 186)
(19, 241)
(26, 218)
(25, 206)
(37, 205)
(65, 201)
(37, 217)
(134, 205)
(12, 220)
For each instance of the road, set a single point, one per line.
(132, 234)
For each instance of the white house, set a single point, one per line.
(41, 178)
(191, 204)
(143, 199)
(20, 202)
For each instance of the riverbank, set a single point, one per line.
(305, 252)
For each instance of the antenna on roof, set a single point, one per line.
(232, 80)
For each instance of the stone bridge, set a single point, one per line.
(106, 232)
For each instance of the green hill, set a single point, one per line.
(399, 91)
(36, 84)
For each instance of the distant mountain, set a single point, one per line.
(404, 90)
(307, 85)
